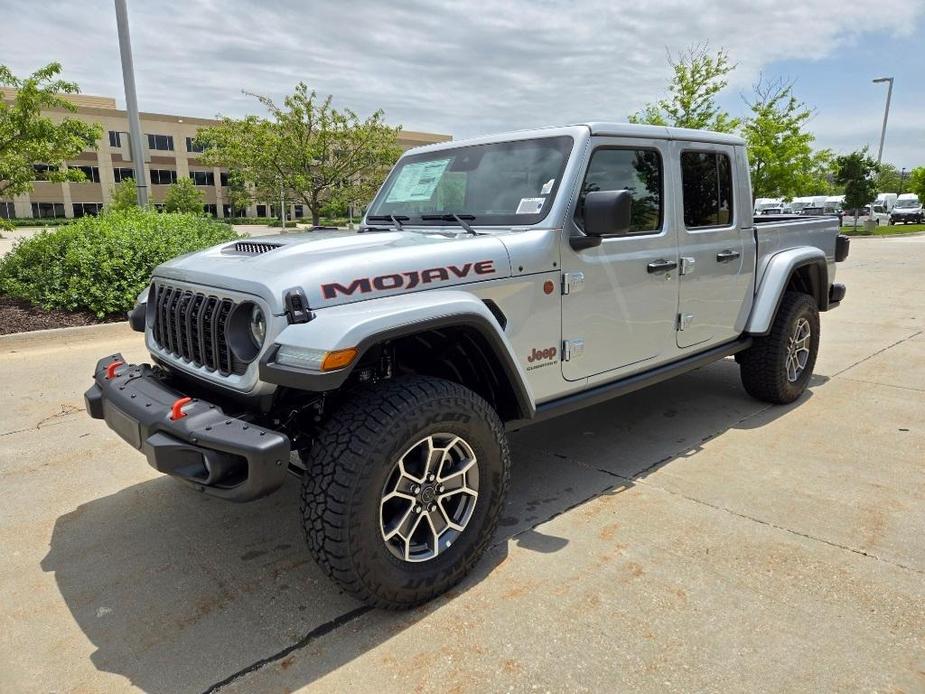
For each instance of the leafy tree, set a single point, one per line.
(27, 137)
(699, 76)
(238, 195)
(888, 179)
(780, 152)
(183, 196)
(318, 154)
(124, 195)
(857, 172)
(915, 182)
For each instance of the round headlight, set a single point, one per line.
(258, 326)
(246, 331)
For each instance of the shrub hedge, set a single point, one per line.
(101, 264)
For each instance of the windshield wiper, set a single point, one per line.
(396, 219)
(458, 218)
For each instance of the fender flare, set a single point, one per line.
(366, 324)
(774, 282)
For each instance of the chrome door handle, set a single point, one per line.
(726, 256)
(661, 265)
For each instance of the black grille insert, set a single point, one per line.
(254, 247)
(191, 325)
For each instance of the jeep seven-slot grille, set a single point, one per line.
(191, 325)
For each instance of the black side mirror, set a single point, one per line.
(608, 212)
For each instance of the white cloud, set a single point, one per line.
(462, 68)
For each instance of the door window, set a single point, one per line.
(636, 170)
(706, 181)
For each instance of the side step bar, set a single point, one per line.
(623, 386)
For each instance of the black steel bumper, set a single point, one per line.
(220, 455)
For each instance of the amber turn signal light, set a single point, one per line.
(338, 359)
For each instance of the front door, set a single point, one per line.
(619, 313)
(715, 246)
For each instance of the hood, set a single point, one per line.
(338, 267)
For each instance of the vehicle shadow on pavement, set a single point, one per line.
(181, 592)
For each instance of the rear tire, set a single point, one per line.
(396, 460)
(778, 366)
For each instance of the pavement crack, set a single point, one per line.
(637, 479)
(314, 634)
(878, 352)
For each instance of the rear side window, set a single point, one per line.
(636, 170)
(706, 181)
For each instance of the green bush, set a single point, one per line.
(101, 264)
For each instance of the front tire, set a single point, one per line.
(403, 489)
(778, 366)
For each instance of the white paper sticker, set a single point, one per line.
(547, 187)
(417, 182)
(530, 205)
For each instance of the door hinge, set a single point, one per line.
(687, 266)
(684, 320)
(572, 349)
(573, 282)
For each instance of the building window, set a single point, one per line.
(87, 209)
(193, 146)
(163, 177)
(42, 171)
(211, 210)
(706, 184)
(47, 210)
(122, 173)
(161, 142)
(299, 211)
(92, 173)
(202, 178)
(261, 210)
(7, 210)
(223, 178)
(115, 138)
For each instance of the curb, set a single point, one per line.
(65, 337)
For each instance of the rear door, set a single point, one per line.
(715, 244)
(618, 313)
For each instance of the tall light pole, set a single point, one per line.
(886, 113)
(131, 103)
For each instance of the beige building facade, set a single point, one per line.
(170, 153)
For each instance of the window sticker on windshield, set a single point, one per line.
(530, 205)
(417, 182)
(547, 187)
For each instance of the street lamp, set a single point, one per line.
(886, 113)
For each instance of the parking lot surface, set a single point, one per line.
(682, 538)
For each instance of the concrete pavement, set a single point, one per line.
(682, 538)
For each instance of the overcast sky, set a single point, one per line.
(467, 68)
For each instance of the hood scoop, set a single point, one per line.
(252, 247)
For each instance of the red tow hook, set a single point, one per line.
(111, 369)
(176, 411)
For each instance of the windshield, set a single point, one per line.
(498, 183)
(796, 206)
(907, 203)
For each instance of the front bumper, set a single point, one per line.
(223, 456)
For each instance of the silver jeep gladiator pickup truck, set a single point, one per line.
(497, 282)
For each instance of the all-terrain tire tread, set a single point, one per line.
(339, 461)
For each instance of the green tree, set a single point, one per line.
(780, 152)
(888, 179)
(318, 154)
(124, 195)
(183, 196)
(28, 137)
(915, 182)
(857, 172)
(699, 76)
(238, 195)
